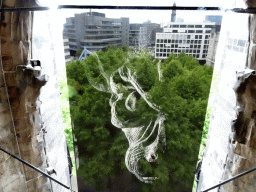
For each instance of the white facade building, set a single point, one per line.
(66, 50)
(193, 38)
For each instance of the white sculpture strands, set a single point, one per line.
(135, 135)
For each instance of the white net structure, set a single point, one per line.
(137, 135)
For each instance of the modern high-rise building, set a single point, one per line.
(94, 31)
(66, 50)
(213, 43)
(143, 35)
(193, 38)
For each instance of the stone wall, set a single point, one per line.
(31, 124)
(231, 144)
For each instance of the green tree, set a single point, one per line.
(182, 96)
(79, 52)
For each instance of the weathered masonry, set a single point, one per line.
(231, 143)
(30, 124)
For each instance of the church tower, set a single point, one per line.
(173, 16)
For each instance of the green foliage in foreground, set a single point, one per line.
(79, 52)
(182, 95)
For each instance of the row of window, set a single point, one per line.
(167, 55)
(190, 26)
(237, 42)
(67, 56)
(176, 50)
(191, 47)
(182, 42)
(235, 48)
(186, 50)
(190, 31)
(182, 37)
(101, 43)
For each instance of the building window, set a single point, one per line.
(175, 26)
(180, 41)
(157, 50)
(191, 31)
(161, 50)
(198, 26)
(192, 41)
(158, 40)
(195, 46)
(176, 46)
(191, 26)
(157, 45)
(169, 41)
(195, 41)
(241, 43)
(208, 26)
(200, 36)
(196, 36)
(157, 54)
(176, 41)
(165, 41)
(175, 31)
(206, 36)
(200, 41)
(199, 46)
(161, 45)
(198, 51)
(161, 40)
(164, 55)
(191, 46)
(190, 51)
(188, 41)
(182, 26)
(164, 50)
(172, 45)
(199, 31)
(188, 37)
(208, 31)
(203, 56)
(194, 51)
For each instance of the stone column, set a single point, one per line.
(20, 122)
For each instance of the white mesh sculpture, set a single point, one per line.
(137, 136)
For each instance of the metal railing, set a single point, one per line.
(237, 10)
(38, 170)
(235, 177)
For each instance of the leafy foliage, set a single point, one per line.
(182, 95)
(79, 52)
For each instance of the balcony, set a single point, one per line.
(99, 40)
(117, 29)
(100, 46)
(106, 34)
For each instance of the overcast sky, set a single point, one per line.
(140, 16)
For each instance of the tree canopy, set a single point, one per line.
(182, 95)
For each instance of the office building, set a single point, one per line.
(66, 50)
(143, 35)
(94, 31)
(213, 42)
(193, 38)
